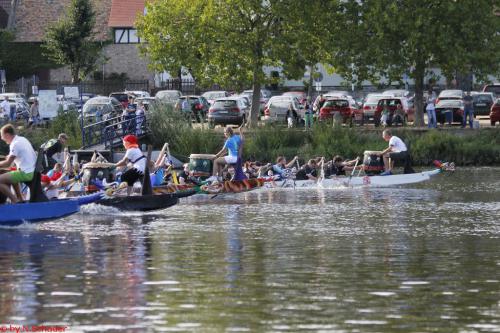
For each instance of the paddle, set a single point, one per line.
(353, 170)
(147, 189)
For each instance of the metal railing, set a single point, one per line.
(110, 132)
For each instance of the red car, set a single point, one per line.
(495, 113)
(393, 103)
(347, 109)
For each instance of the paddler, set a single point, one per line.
(23, 155)
(52, 148)
(135, 156)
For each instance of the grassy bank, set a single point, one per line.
(480, 147)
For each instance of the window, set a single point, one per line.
(126, 36)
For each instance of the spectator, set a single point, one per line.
(34, 114)
(140, 118)
(308, 116)
(4, 108)
(468, 110)
(431, 110)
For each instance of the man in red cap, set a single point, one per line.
(136, 158)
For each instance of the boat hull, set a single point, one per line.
(344, 181)
(12, 215)
(142, 203)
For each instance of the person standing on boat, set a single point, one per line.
(232, 147)
(135, 156)
(397, 150)
(23, 155)
(52, 150)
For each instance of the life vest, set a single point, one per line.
(48, 144)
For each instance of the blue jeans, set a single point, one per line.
(469, 112)
(431, 118)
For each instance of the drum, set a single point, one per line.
(373, 164)
(201, 165)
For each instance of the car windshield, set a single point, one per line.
(225, 104)
(340, 103)
(391, 102)
(374, 99)
(493, 89)
(451, 93)
(168, 95)
(120, 97)
(214, 95)
(93, 108)
(483, 98)
(456, 103)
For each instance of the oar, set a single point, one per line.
(353, 170)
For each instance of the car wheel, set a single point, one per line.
(405, 120)
(492, 122)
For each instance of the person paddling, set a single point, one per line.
(23, 155)
(133, 155)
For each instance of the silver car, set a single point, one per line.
(228, 111)
(277, 107)
(168, 96)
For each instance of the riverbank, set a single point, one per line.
(465, 147)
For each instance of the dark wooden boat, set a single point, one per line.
(142, 203)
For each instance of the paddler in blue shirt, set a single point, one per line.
(232, 147)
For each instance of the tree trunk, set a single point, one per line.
(255, 110)
(311, 79)
(419, 75)
(75, 75)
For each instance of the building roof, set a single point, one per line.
(124, 13)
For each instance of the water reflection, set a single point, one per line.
(423, 258)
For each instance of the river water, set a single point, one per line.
(418, 258)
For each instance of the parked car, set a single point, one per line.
(211, 96)
(66, 104)
(453, 94)
(264, 97)
(482, 103)
(495, 113)
(199, 106)
(100, 106)
(493, 88)
(277, 107)
(146, 101)
(168, 96)
(393, 103)
(370, 107)
(228, 111)
(138, 93)
(330, 95)
(122, 97)
(300, 95)
(18, 104)
(397, 93)
(347, 108)
(12, 96)
(456, 106)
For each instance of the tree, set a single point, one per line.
(69, 41)
(223, 42)
(389, 38)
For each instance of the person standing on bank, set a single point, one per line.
(397, 150)
(52, 148)
(431, 110)
(23, 155)
(4, 109)
(135, 156)
(468, 110)
(34, 114)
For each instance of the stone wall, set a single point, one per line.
(121, 58)
(34, 16)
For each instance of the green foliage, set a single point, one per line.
(389, 38)
(69, 41)
(172, 127)
(228, 42)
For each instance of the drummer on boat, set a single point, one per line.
(233, 146)
(135, 156)
(396, 150)
(22, 154)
